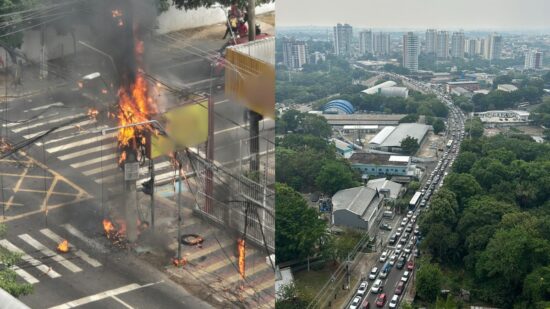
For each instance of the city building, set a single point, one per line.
(431, 41)
(468, 85)
(381, 164)
(342, 148)
(533, 60)
(366, 45)
(503, 118)
(411, 49)
(381, 43)
(295, 53)
(493, 47)
(383, 185)
(481, 46)
(343, 35)
(389, 139)
(341, 120)
(471, 47)
(376, 89)
(317, 57)
(457, 45)
(442, 45)
(402, 92)
(507, 87)
(357, 207)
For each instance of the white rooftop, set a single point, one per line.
(399, 158)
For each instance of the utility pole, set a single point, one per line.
(152, 170)
(254, 118)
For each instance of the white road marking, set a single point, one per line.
(72, 126)
(25, 275)
(56, 257)
(87, 151)
(43, 107)
(101, 169)
(142, 171)
(39, 124)
(103, 295)
(81, 142)
(78, 234)
(122, 302)
(94, 160)
(81, 254)
(81, 124)
(27, 258)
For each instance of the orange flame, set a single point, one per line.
(122, 157)
(92, 112)
(242, 255)
(108, 227)
(63, 246)
(179, 262)
(116, 13)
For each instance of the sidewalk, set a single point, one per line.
(212, 271)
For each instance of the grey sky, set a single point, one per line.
(466, 14)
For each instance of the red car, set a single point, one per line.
(410, 265)
(399, 288)
(381, 300)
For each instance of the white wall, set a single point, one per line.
(174, 19)
(56, 45)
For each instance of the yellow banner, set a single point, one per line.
(251, 82)
(187, 126)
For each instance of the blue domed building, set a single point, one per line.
(338, 107)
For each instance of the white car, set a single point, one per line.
(392, 259)
(393, 302)
(398, 249)
(383, 257)
(405, 276)
(355, 303)
(373, 273)
(376, 287)
(404, 221)
(362, 288)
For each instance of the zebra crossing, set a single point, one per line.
(39, 259)
(81, 147)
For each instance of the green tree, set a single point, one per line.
(8, 277)
(546, 134)
(536, 286)
(335, 176)
(410, 145)
(414, 186)
(439, 126)
(474, 127)
(464, 162)
(195, 4)
(292, 297)
(463, 185)
(428, 281)
(298, 230)
(14, 20)
(410, 118)
(315, 125)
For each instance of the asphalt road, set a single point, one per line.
(455, 125)
(59, 188)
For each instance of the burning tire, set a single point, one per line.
(191, 239)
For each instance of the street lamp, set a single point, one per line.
(102, 53)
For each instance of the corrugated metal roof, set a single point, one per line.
(374, 89)
(382, 135)
(355, 200)
(415, 130)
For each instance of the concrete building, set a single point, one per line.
(317, 57)
(401, 92)
(383, 185)
(457, 45)
(507, 87)
(471, 47)
(468, 85)
(366, 44)
(411, 49)
(442, 45)
(338, 107)
(381, 164)
(356, 207)
(343, 35)
(342, 148)
(431, 41)
(493, 48)
(295, 53)
(381, 43)
(389, 139)
(503, 118)
(481, 46)
(376, 89)
(341, 120)
(533, 60)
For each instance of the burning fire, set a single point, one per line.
(179, 262)
(92, 112)
(63, 247)
(108, 227)
(242, 254)
(116, 13)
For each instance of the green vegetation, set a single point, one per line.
(541, 114)
(318, 81)
(410, 145)
(474, 127)
(439, 126)
(428, 282)
(8, 279)
(487, 228)
(304, 123)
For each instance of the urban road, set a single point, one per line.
(429, 186)
(55, 189)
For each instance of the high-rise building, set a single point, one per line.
(295, 53)
(442, 45)
(471, 47)
(493, 47)
(381, 43)
(533, 60)
(481, 46)
(342, 39)
(457, 45)
(431, 41)
(411, 49)
(365, 42)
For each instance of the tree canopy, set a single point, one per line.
(410, 145)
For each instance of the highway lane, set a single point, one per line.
(455, 125)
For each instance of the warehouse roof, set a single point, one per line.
(415, 130)
(376, 158)
(355, 200)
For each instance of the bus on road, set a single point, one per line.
(449, 143)
(414, 200)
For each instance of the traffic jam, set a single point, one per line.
(384, 286)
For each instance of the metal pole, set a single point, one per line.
(179, 209)
(210, 156)
(152, 170)
(101, 52)
(251, 20)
